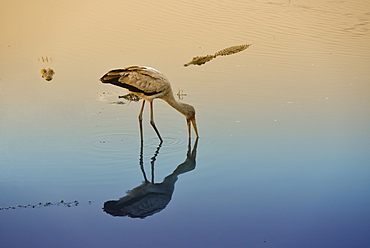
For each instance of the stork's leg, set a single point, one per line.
(152, 121)
(141, 121)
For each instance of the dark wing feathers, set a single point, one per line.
(112, 77)
(134, 78)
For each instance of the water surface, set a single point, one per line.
(282, 159)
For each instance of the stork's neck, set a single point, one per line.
(179, 106)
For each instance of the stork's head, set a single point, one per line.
(190, 118)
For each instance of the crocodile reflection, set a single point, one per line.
(149, 197)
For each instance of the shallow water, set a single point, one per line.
(282, 159)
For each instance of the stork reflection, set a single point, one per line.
(150, 197)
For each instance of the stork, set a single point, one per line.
(149, 84)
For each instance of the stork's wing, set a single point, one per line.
(138, 79)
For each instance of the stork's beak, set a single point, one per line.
(194, 122)
(195, 127)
